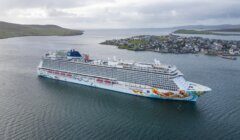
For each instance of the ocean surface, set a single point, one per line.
(39, 108)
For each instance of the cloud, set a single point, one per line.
(121, 13)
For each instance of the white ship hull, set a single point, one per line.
(123, 87)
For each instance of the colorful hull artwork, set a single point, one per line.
(124, 87)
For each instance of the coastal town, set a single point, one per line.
(178, 45)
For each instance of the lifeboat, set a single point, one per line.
(99, 80)
(107, 81)
(49, 71)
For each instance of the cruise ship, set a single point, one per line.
(154, 80)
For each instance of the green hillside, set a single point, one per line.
(8, 30)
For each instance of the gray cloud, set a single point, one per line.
(45, 3)
(120, 13)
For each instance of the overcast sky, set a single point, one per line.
(84, 14)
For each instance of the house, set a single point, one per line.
(234, 51)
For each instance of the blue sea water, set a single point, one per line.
(39, 108)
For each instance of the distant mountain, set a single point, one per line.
(227, 30)
(224, 27)
(224, 30)
(8, 30)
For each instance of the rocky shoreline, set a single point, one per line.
(177, 45)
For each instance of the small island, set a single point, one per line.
(177, 45)
(8, 30)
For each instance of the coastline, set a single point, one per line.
(175, 44)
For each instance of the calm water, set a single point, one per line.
(39, 108)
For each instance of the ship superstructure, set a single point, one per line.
(154, 80)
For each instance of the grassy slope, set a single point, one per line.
(8, 30)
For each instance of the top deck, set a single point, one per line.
(117, 63)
